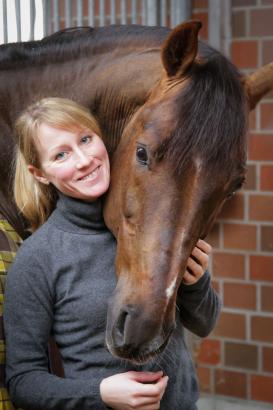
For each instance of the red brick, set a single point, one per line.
(239, 23)
(251, 178)
(261, 207)
(245, 54)
(266, 177)
(268, 359)
(267, 116)
(204, 378)
(267, 298)
(231, 325)
(240, 295)
(233, 208)
(61, 8)
(267, 50)
(262, 388)
(262, 328)
(241, 355)
(200, 4)
(260, 147)
(239, 236)
(230, 383)
(209, 352)
(267, 238)
(261, 22)
(228, 265)
(203, 17)
(261, 267)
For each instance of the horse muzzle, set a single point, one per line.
(134, 334)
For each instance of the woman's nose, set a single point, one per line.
(82, 159)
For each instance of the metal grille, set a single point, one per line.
(57, 14)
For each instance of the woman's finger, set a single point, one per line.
(200, 257)
(188, 278)
(204, 246)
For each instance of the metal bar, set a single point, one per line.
(102, 13)
(173, 13)
(227, 28)
(143, 12)
(18, 19)
(79, 13)
(55, 15)
(163, 13)
(215, 24)
(134, 12)
(91, 13)
(113, 12)
(5, 22)
(151, 12)
(32, 17)
(123, 12)
(68, 14)
(47, 17)
(180, 11)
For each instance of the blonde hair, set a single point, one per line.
(34, 199)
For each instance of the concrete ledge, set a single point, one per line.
(216, 403)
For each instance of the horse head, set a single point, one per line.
(183, 156)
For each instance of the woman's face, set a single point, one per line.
(75, 162)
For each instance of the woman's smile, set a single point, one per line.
(75, 162)
(91, 175)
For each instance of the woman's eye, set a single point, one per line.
(142, 155)
(61, 155)
(86, 139)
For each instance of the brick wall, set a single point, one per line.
(237, 359)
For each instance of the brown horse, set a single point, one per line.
(173, 115)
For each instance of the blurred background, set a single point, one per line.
(235, 363)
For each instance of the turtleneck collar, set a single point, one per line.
(76, 215)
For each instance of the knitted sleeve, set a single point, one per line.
(199, 306)
(28, 319)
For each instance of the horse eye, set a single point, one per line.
(142, 155)
(231, 195)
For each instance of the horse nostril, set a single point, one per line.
(121, 323)
(124, 323)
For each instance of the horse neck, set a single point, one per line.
(113, 87)
(118, 89)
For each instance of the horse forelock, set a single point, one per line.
(68, 44)
(210, 117)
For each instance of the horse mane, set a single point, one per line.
(71, 43)
(212, 119)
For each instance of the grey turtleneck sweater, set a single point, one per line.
(59, 284)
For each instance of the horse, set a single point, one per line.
(173, 115)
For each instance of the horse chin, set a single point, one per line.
(142, 355)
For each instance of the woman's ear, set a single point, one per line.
(38, 174)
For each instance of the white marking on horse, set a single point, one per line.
(170, 289)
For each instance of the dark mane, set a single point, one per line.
(212, 116)
(73, 43)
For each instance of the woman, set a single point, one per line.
(64, 274)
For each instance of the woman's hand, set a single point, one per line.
(134, 390)
(198, 263)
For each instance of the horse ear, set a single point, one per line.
(258, 84)
(180, 48)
